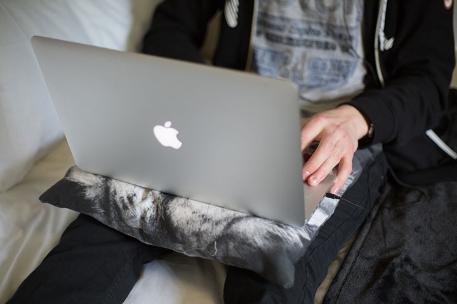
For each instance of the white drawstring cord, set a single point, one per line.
(441, 144)
(381, 43)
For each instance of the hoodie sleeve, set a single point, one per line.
(178, 28)
(417, 71)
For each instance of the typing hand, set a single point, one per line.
(337, 132)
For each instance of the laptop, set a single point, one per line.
(214, 135)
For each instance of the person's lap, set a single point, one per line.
(242, 286)
(91, 264)
(96, 264)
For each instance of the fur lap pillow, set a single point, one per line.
(190, 227)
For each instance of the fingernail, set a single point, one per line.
(306, 174)
(314, 180)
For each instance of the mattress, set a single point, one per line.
(30, 229)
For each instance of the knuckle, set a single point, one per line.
(327, 136)
(342, 128)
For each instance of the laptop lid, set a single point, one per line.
(214, 135)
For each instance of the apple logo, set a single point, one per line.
(167, 136)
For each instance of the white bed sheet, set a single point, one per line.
(30, 229)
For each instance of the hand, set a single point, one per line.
(338, 132)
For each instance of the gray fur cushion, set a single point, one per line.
(194, 228)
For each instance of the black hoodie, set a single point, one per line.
(409, 53)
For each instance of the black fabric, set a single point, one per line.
(178, 29)
(429, 165)
(233, 52)
(245, 287)
(417, 70)
(91, 264)
(406, 252)
(96, 264)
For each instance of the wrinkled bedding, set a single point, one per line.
(30, 229)
(406, 252)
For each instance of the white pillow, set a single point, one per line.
(28, 122)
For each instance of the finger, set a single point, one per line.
(311, 131)
(323, 151)
(327, 166)
(344, 169)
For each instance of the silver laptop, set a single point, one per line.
(214, 135)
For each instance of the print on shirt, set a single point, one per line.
(311, 43)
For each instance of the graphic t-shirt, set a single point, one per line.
(314, 43)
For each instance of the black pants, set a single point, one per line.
(96, 264)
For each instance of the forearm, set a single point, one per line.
(404, 109)
(417, 72)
